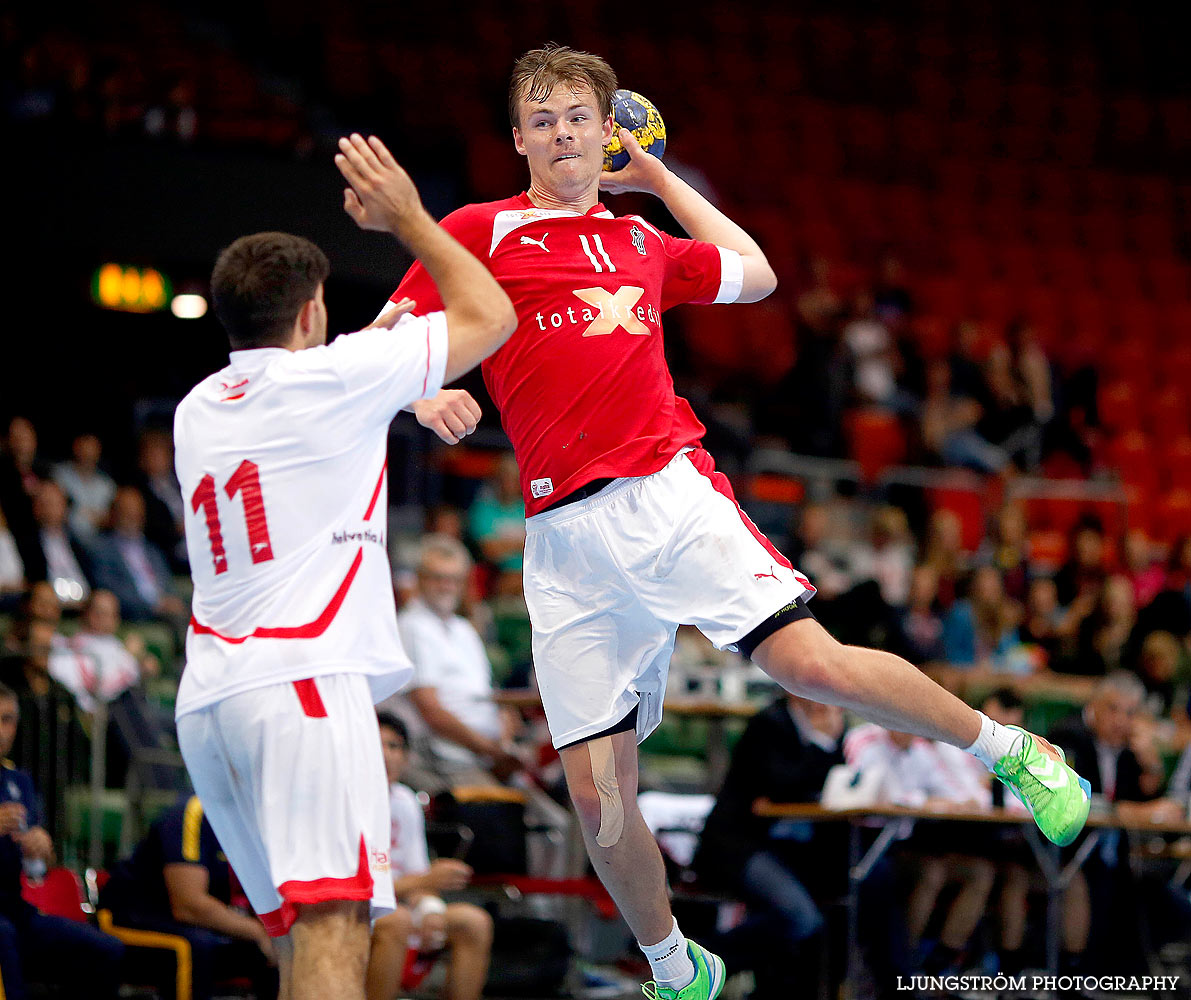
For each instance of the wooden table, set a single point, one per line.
(1056, 874)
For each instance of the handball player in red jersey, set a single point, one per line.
(630, 531)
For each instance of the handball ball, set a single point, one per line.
(632, 111)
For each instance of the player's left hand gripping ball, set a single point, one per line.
(633, 112)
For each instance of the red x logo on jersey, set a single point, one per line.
(613, 310)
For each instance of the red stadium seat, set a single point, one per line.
(968, 506)
(60, 894)
(876, 440)
(1176, 461)
(1131, 454)
(1119, 406)
(1173, 515)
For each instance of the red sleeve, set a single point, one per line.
(692, 271)
(469, 226)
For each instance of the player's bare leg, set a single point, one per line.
(285, 967)
(631, 869)
(386, 956)
(330, 951)
(807, 661)
(469, 936)
(885, 689)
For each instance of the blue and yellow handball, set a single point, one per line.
(633, 112)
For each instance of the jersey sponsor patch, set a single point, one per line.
(541, 487)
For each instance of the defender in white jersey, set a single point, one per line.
(281, 458)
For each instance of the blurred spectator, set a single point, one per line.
(826, 558)
(892, 299)
(164, 507)
(1081, 578)
(34, 945)
(20, 444)
(1043, 621)
(466, 736)
(89, 489)
(949, 425)
(1162, 667)
(52, 746)
(1018, 403)
(178, 881)
(979, 630)
(780, 868)
(66, 556)
(1170, 610)
(1006, 548)
(876, 364)
(443, 519)
(12, 567)
(16, 507)
(423, 922)
(1104, 637)
(944, 553)
(1143, 566)
(496, 519)
(131, 567)
(820, 305)
(888, 557)
(1112, 746)
(94, 663)
(924, 774)
(921, 625)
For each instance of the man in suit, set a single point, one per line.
(65, 554)
(132, 567)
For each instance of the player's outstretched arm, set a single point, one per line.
(382, 197)
(699, 217)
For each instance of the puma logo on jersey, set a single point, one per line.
(771, 574)
(259, 546)
(537, 243)
(638, 238)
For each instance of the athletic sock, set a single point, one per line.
(671, 964)
(994, 741)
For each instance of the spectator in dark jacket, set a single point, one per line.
(132, 567)
(178, 881)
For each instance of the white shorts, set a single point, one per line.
(608, 580)
(292, 778)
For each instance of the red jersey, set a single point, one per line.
(583, 388)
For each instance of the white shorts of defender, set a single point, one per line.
(292, 778)
(608, 580)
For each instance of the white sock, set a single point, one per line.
(993, 742)
(671, 963)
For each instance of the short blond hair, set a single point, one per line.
(537, 72)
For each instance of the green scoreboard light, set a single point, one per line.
(130, 289)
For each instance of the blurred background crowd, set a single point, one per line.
(963, 415)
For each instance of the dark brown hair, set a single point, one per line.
(261, 282)
(536, 73)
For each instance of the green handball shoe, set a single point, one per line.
(1037, 773)
(708, 981)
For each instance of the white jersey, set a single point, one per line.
(925, 770)
(408, 854)
(281, 459)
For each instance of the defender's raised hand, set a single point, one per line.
(381, 195)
